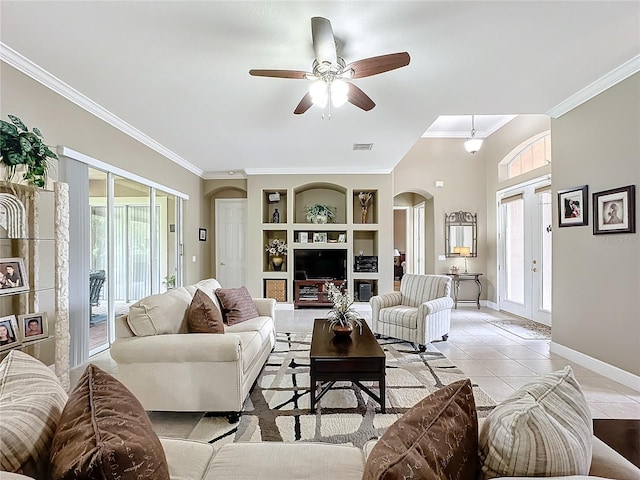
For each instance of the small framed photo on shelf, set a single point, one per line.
(9, 333)
(303, 237)
(13, 276)
(33, 326)
(573, 206)
(614, 211)
(342, 238)
(202, 234)
(320, 237)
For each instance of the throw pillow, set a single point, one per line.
(31, 402)
(544, 429)
(105, 433)
(437, 438)
(203, 316)
(237, 305)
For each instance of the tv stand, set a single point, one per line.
(312, 293)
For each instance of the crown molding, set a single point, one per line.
(587, 93)
(236, 175)
(318, 171)
(40, 75)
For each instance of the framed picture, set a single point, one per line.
(573, 206)
(202, 234)
(33, 326)
(303, 237)
(320, 237)
(9, 333)
(13, 276)
(614, 211)
(342, 238)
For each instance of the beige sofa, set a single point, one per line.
(169, 369)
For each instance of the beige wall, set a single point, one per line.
(65, 124)
(596, 278)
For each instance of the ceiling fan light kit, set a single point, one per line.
(473, 144)
(330, 72)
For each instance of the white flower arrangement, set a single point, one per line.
(341, 312)
(276, 247)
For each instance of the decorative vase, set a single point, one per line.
(277, 261)
(342, 330)
(365, 210)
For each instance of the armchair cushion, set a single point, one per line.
(203, 315)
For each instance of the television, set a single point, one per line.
(320, 264)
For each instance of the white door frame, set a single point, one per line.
(220, 237)
(530, 309)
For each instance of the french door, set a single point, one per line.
(525, 214)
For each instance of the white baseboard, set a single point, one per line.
(598, 366)
(491, 305)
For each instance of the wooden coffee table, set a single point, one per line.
(356, 358)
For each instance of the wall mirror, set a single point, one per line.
(460, 234)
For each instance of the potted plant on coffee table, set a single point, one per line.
(341, 316)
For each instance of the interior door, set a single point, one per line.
(525, 244)
(231, 242)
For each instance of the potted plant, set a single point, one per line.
(319, 213)
(170, 281)
(19, 146)
(341, 315)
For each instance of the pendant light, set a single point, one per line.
(473, 144)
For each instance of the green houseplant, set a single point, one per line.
(319, 213)
(19, 146)
(341, 315)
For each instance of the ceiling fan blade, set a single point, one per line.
(297, 74)
(374, 65)
(360, 99)
(304, 105)
(324, 44)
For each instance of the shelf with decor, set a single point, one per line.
(364, 289)
(275, 250)
(33, 281)
(274, 206)
(365, 207)
(320, 203)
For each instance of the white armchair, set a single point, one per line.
(420, 312)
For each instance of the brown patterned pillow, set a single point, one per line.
(203, 316)
(237, 305)
(105, 433)
(436, 438)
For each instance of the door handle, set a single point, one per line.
(533, 262)
(534, 270)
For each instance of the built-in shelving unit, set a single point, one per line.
(349, 230)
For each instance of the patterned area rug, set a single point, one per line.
(527, 329)
(278, 407)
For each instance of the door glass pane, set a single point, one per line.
(419, 247)
(166, 251)
(132, 241)
(545, 244)
(514, 251)
(98, 291)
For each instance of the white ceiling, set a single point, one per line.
(177, 71)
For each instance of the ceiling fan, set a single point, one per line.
(330, 73)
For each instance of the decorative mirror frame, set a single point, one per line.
(460, 219)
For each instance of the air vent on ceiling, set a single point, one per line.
(362, 146)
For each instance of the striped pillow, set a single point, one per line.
(237, 305)
(31, 402)
(544, 429)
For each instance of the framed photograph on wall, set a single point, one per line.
(9, 333)
(13, 276)
(33, 326)
(614, 211)
(573, 206)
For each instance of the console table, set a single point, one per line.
(463, 277)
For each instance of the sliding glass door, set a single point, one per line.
(134, 250)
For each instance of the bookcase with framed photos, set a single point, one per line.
(320, 217)
(31, 243)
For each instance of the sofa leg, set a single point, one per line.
(445, 337)
(233, 417)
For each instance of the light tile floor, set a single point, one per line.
(495, 359)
